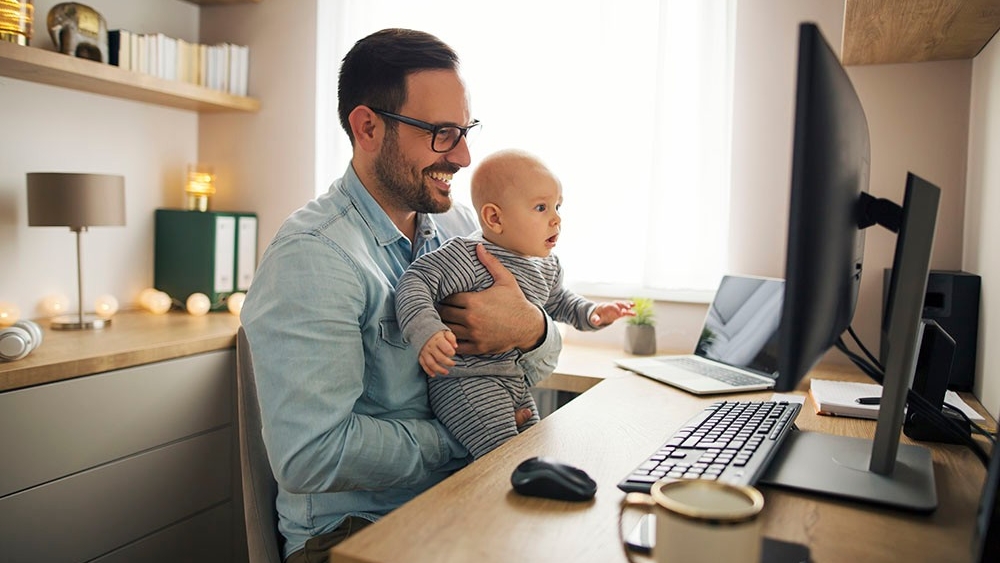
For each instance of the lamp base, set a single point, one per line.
(197, 202)
(74, 322)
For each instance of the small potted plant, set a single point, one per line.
(640, 330)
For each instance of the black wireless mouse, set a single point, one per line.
(548, 478)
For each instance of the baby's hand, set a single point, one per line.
(435, 356)
(607, 313)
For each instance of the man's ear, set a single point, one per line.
(368, 129)
(490, 217)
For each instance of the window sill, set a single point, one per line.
(609, 291)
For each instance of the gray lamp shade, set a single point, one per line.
(59, 199)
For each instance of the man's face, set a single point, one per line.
(414, 176)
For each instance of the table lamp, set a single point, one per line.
(200, 186)
(77, 201)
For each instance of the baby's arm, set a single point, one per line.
(607, 313)
(436, 355)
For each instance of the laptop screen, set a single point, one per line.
(741, 328)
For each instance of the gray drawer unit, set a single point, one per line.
(195, 540)
(133, 464)
(94, 512)
(53, 430)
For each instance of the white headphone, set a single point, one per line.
(18, 340)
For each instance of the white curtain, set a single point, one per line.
(627, 101)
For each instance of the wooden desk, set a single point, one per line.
(608, 430)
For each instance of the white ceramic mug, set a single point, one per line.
(702, 521)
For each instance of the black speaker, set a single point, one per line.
(952, 300)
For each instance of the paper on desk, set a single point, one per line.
(840, 398)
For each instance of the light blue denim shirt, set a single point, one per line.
(346, 421)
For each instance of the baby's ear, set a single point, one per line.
(490, 217)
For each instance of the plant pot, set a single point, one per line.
(640, 339)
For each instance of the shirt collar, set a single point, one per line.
(382, 227)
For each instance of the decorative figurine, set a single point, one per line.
(79, 31)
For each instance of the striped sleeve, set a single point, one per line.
(432, 277)
(563, 305)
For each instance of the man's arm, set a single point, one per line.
(303, 316)
(499, 319)
(494, 320)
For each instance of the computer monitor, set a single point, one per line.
(830, 162)
(829, 208)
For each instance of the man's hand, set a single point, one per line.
(494, 320)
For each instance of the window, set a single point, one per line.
(627, 101)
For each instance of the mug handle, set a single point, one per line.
(641, 501)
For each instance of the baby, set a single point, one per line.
(518, 202)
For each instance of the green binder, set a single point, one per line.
(210, 252)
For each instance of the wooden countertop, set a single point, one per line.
(133, 338)
(140, 337)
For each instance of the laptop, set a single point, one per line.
(738, 347)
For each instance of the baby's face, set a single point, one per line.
(531, 214)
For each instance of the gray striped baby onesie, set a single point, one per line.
(478, 397)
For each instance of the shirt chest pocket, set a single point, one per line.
(393, 380)
(389, 333)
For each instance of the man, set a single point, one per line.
(346, 421)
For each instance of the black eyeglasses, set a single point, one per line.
(445, 137)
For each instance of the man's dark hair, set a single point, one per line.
(374, 72)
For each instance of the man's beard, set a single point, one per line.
(404, 185)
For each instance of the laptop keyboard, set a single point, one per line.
(730, 441)
(718, 373)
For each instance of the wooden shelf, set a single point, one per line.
(894, 31)
(56, 69)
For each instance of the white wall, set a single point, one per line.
(265, 161)
(982, 207)
(918, 119)
(50, 129)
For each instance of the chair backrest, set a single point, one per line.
(259, 487)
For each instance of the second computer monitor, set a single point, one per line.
(830, 162)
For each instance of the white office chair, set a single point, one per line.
(259, 487)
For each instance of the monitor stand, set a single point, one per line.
(839, 466)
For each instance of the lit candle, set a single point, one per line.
(54, 305)
(235, 303)
(158, 303)
(198, 304)
(9, 314)
(106, 306)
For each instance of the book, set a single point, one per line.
(222, 67)
(114, 46)
(840, 398)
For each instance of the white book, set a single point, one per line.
(133, 60)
